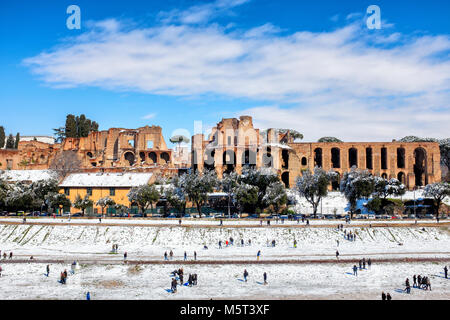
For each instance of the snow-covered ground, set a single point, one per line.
(209, 222)
(106, 277)
(150, 243)
(130, 282)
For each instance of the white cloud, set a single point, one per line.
(149, 116)
(349, 80)
(200, 13)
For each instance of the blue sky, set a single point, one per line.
(313, 66)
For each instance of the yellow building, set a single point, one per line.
(99, 185)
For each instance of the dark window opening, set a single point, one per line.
(304, 161)
(336, 157)
(142, 156)
(420, 167)
(89, 191)
(369, 160)
(383, 158)
(285, 179)
(249, 158)
(400, 158)
(67, 191)
(285, 157)
(229, 159)
(401, 177)
(352, 157)
(335, 183)
(112, 191)
(318, 157)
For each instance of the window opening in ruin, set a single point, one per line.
(336, 157)
(400, 158)
(383, 158)
(369, 160)
(352, 157)
(318, 157)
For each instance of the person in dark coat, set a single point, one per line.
(245, 275)
(414, 281)
(388, 297)
(445, 272)
(383, 296)
(355, 270)
(265, 278)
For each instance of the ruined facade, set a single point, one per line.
(30, 155)
(142, 148)
(113, 150)
(235, 143)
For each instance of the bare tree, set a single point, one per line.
(65, 163)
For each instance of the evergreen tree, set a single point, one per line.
(10, 142)
(71, 127)
(16, 143)
(2, 137)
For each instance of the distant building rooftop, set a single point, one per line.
(45, 139)
(83, 180)
(27, 175)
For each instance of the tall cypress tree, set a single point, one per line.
(10, 142)
(16, 143)
(71, 126)
(2, 137)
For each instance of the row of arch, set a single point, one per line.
(152, 157)
(420, 160)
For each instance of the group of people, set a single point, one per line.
(63, 277)
(349, 235)
(419, 282)
(192, 279)
(5, 255)
(115, 248)
(362, 265)
(246, 276)
(385, 296)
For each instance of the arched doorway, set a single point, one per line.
(152, 157)
(129, 156)
(384, 176)
(165, 157)
(209, 163)
(401, 177)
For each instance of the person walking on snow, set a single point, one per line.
(185, 256)
(258, 255)
(10, 255)
(48, 270)
(445, 272)
(195, 255)
(220, 244)
(369, 263)
(245, 275)
(165, 256)
(171, 254)
(265, 278)
(337, 254)
(125, 257)
(1, 271)
(88, 296)
(355, 270)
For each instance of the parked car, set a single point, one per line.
(285, 217)
(78, 214)
(429, 216)
(252, 216)
(43, 214)
(171, 216)
(20, 213)
(138, 215)
(220, 216)
(157, 215)
(235, 216)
